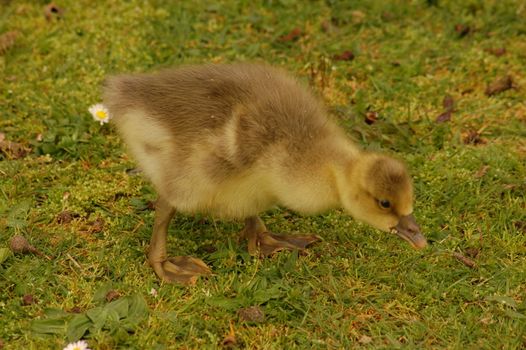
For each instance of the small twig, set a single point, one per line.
(466, 261)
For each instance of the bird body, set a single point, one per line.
(236, 140)
(230, 140)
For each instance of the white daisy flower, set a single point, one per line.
(100, 113)
(79, 345)
(153, 292)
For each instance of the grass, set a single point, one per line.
(357, 288)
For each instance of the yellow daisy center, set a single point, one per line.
(101, 114)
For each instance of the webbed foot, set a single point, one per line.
(180, 269)
(265, 243)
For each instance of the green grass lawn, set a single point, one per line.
(358, 287)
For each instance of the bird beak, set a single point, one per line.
(409, 230)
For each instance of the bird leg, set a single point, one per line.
(182, 269)
(264, 243)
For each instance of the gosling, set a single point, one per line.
(234, 140)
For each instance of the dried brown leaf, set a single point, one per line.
(497, 51)
(472, 252)
(53, 11)
(112, 295)
(230, 341)
(66, 216)
(13, 150)
(466, 261)
(293, 35)
(462, 30)
(28, 299)
(20, 245)
(499, 85)
(482, 171)
(444, 117)
(96, 226)
(448, 103)
(7, 40)
(371, 118)
(344, 56)
(473, 137)
(251, 314)
(75, 310)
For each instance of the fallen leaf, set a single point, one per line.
(66, 216)
(473, 137)
(462, 30)
(75, 310)
(52, 11)
(7, 40)
(466, 261)
(28, 299)
(499, 51)
(13, 150)
(251, 314)
(344, 56)
(19, 245)
(444, 117)
(472, 252)
(365, 339)
(112, 295)
(294, 34)
(371, 118)
(482, 171)
(96, 226)
(499, 85)
(229, 341)
(209, 248)
(448, 103)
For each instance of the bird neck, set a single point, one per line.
(346, 173)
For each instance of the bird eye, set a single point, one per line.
(384, 203)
